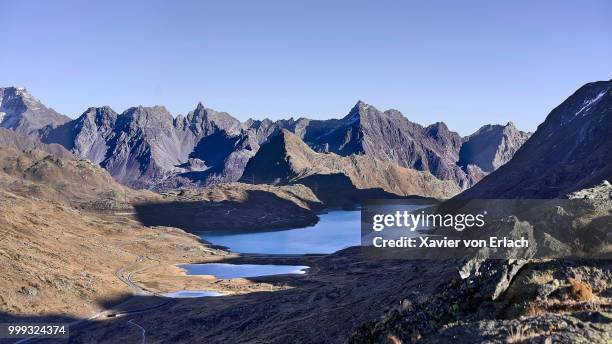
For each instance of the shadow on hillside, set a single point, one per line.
(317, 303)
(123, 306)
(224, 146)
(259, 210)
(338, 191)
(333, 303)
(213, 159)
(115, 323)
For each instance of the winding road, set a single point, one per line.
(124, 274)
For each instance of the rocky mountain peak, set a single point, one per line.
(205, 121)
(491, 146)
(438, 126)
(18, 95)
(439, 131)
(360, 104)
(289, 142)
(11, 93)
(363, 112)
(577, 108)
(104, 115)
(356, 112)
(147, 117)
(23, 113)
(391, 137)
(279, 159)
(445, 138)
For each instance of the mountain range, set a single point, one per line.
(146, 147)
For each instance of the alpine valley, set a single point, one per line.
(107, 218)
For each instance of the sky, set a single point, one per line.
(466, 63)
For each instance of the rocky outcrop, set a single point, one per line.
(571, 150)
(287, 159)
(491, 146)
(21, 112)
(204, 122)
(554, 301)
(602, 191)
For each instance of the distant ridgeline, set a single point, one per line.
(368, 149)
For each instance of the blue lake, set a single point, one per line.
(335, 230)
(192, 293)
(224, 271)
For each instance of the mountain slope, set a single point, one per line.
(287, 159)
(9, 138)
(75, 183)
(63, 244)
(571, 150)
(21, 112)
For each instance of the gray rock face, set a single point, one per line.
(227, 151)
(87, 136)
(493, 275)
(21, 112)
(145, 147)
(570, 151)
(136, 147)
(491, 146)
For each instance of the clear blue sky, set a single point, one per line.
(466, 63)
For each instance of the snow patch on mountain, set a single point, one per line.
(590, 102)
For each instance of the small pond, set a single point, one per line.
(192, 293)
(226, 271)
